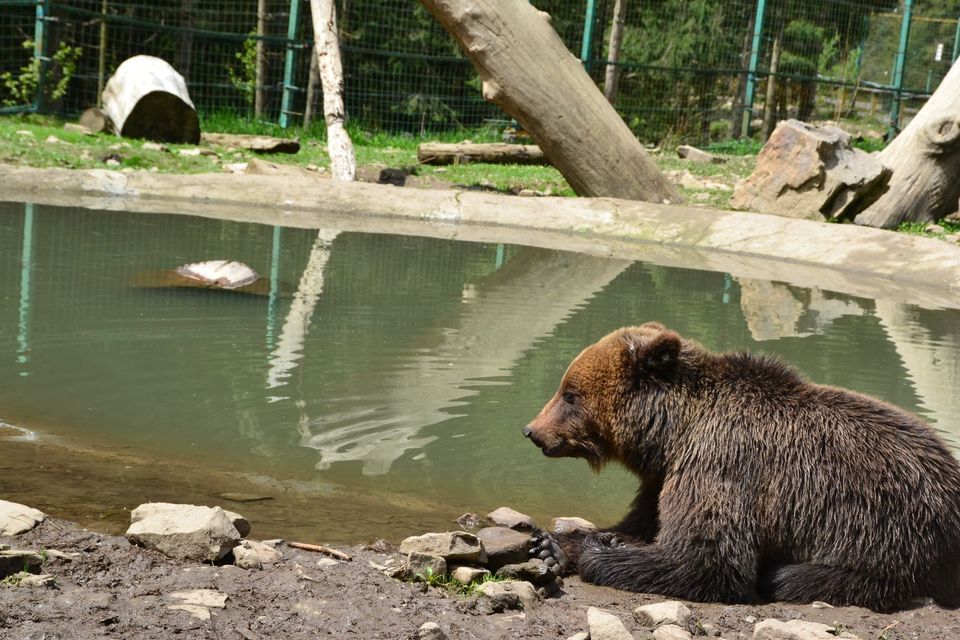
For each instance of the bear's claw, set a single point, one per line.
(545, 547)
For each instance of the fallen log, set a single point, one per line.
(439, 153)
(257, 144)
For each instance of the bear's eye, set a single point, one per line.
(568, 397)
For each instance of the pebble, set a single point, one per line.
(671, 632)
(431, 631)
(669, 612)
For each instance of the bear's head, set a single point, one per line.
(608, 396)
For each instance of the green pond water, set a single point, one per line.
(377, 385)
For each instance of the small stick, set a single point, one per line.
(320, 549)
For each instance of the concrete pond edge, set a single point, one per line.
(849, 259)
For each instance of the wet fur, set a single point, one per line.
(756, 484)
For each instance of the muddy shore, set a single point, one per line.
(107, 588)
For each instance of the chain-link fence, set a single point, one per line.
(690, 69)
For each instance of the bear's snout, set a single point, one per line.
(528, 431)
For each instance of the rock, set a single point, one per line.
(934, 228)
(62, 555)
(186, 532)
(533, 571)
(501, 596)
(583, 635)
(38, 580)
(810, 172)
(328, 562)
(658, 613)
(469, 521)
(507, 517)
(197, 602)
(17, 518)
(466, 575)
(424, 565)
(772, 629)
(250, 554)
(453, 546)
(671, 632)
(146, 98)
(606, 626)
(14, 561)
(571, 524)
(504, 546)
(431, 631)
(153, 508)
(697, 155)
(154, 146)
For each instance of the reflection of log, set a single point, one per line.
(147, 98)
(931, 356)
(774, 310)
(500, 318)
(490, 153)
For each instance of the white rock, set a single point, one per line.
(250, 554)
(431, 631)
(37, 580)
(658, 613)
(153, 508)
(510, 594)
(227, 274)
(583, 635)
(466, 575)
(606, 626)
(671, 632)
(329, 562)
(197, 602)
(190, 533)
(17, 518)
(507, 517)
(571, 524)
(772, 629)
(457, 546)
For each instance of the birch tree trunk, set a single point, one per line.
(925, 161)
(611, 80)
(528, 72)
(343, 163)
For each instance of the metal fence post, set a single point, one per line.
(751, 88)
(587, 45)
(956, 43)
(39, 53)
(899, 68)
(286, 104)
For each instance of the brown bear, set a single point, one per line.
(755, 483)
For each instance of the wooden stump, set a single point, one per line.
(147, 98)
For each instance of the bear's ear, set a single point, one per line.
(656, 357)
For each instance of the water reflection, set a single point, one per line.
(775, 310)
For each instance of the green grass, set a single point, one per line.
(920, 228)
(447, 583)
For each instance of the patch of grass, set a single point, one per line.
(920, 228)
(741, 147)
(14, 579)
(453, 586)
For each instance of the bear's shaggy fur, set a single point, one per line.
(756, 484)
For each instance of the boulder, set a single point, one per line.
(604, 625)
(772, 629)
(693, 154)
(14, 561)
(424, 565)
(202, 534)
(146, 98)
(453, 546)
(149, 509)
(501, 596)
(658, 613)
(250, 554)
(504, 546)
(17, 518)
(811, 172)
(507, 517)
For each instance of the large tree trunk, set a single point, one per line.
(925, 161)
(343, 163)
(611, 81)
(528, 72)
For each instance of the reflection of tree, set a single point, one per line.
(289, 347)
(928, 343)
(500, 317)
(775, 310)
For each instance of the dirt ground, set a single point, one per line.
(114, 590)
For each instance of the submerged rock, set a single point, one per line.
(16, 518)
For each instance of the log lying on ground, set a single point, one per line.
(529, 73)
(147, 98)
(257, 144)
(491, 153)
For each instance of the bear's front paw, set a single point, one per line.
(603, 540)
(546, 548)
